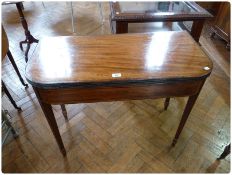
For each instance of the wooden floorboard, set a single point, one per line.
(125, 136)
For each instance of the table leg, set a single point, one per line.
(47, 109)
(29, 38)
(187, 110)
(121, 27)
(196, 29)
(16, 68)
(64, 111)
(225, 153)
(10, 97)
(166, 103)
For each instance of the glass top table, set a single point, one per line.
(155, 7)
(123, 13)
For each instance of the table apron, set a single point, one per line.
(118, 92)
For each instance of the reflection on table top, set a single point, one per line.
(117, 58)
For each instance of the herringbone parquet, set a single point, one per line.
(124, 136)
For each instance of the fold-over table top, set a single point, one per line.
(125, 58)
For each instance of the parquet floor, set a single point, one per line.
(124, 136)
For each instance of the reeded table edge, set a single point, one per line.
(115, 83)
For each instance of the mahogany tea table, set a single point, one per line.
(85, 69)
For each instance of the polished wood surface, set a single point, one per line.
(125, 136)
(135, 57)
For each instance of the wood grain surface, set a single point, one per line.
(132, 57)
